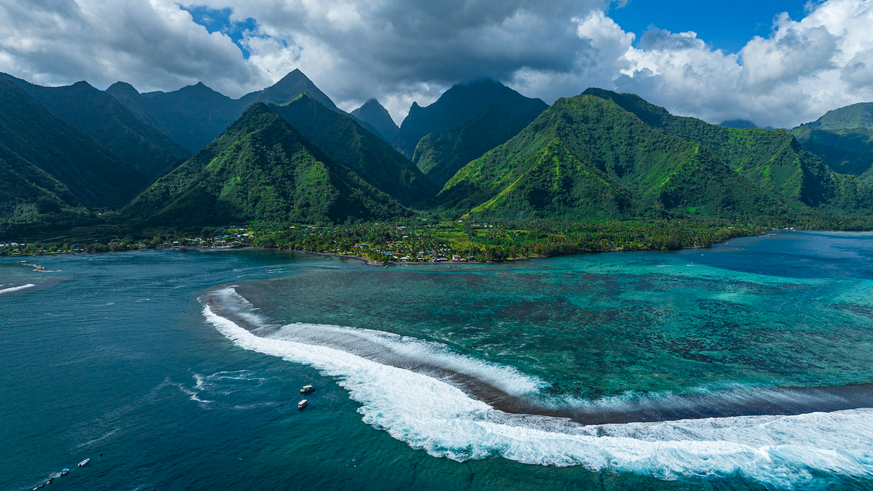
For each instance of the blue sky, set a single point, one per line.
(725, 25)
(218, 20)
(402, 51)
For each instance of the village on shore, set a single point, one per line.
(409, 241)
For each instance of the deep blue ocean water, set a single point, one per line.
(743, 366)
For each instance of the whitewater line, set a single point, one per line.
(429, 414)
(17, 288)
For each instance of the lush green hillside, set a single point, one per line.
(842, 138)
(377, 116)
(261, 168)
(846, 154)
(772, 159)
(100, 116)
(859, 140)
(88, 175)
(587, 157)
(287, 89)
(459, 104)
(32, 199)
(742, 124)
(441, 155)
(854, 117)
(345, 141)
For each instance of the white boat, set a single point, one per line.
(65, 471)
(84, 462)
(302, 404)
(307, 389)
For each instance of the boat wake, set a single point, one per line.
(460, 408)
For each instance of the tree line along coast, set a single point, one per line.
(416, 240)
(484, 173)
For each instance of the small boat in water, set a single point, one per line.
(84, 462)
(65, 471)
(307, 389)
(302, 404)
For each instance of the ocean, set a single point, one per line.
(743, 366)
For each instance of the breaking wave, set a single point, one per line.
(417, 391)
(16, 288)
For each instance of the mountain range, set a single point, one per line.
(347, 142)
(288, 153)
(587, 156)
(261, 168)
(843, 139)
(49, 171)
(461, 103)
(195, 115)
(100, 116)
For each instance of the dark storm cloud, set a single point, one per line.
(396, 44)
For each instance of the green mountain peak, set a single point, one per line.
(609, 155)
(461, 103)
(49, 171)
(347, 142)
(374, 114)
(260, 168)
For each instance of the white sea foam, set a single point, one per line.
(402, 350)
(17, 288)
(430, 414)
(412, 352)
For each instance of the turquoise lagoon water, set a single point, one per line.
(744, 366)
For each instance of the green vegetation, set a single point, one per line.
(459, 104)
(853, 117)
(771, 159)
(460, 241)
(588, 157)
(99, 116)
(261, 168)
(842, 138)
(413, 240)
(598, 172)
(743, 124)
(28, 132)
(441, 155)
(377, 116)
(291, 85)
(195, 115)
(346, 142)
(50, 173)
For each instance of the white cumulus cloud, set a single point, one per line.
(801, 70)
(402, 51)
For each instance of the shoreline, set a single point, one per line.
(385, 264)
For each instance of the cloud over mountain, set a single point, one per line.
(153, 43)
(402, 51)
(801, 70)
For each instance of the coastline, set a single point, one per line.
(385, 264)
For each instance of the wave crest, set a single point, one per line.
(433, 414)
